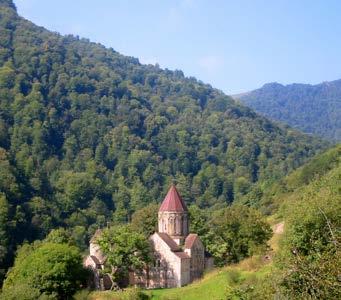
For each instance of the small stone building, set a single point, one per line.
(179, 255)
(95, 262)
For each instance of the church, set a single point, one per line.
(179, 256)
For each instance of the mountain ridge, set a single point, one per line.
(314, 109)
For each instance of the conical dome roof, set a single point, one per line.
(173, 201)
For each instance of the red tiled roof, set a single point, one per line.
(173, 201)
(174, 247)
(96, 235)
(169, 241)
(190, 239)
(95, 259)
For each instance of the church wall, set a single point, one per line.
(185, 271)
(89, 263)
(167, 272)
(173, 223)
(96, 251)
(95, 280)
(197, 254)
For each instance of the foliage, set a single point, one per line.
(313, 109)
(4, 209)
(88, 135)
(253, 288)
(236, 233)
(58, 236)
(308, 263)
(274, 195)
(125, 250)
(198, 221)
(52, 269)
(230, 234)
(145, 220)
(21, 291)
(311, 255)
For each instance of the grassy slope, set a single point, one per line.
(216, 284)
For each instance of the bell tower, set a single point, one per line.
(173, 216)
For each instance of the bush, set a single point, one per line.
(51, 269)
(21, 291)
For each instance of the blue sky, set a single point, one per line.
(235, 46)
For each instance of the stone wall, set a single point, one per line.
(173, 223)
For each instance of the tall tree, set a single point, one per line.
(125, 250)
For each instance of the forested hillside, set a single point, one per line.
(309, 260)
(276, 194)
(305, 259)
(314, 109)
(88, 136)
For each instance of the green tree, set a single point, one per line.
(145, 219)
(236, 233)
(125, 249)
(59, 236)
(4, 234)
(53, 269)
(23, 292)
(198, 222)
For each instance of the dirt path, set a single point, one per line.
(278, 228)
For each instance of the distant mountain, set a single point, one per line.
(314, 109)
(88, 136)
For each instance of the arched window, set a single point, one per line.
(182, 231)
(171, 228)
(185, 225)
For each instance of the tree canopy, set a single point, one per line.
(125, 250)
(234, 233)
(52, 269)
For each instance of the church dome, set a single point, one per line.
(173, 201)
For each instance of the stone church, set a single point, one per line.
(180, 256)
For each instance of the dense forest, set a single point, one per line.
(89, 136)
(314, 109)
